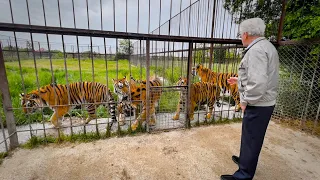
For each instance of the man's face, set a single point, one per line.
(244, 39)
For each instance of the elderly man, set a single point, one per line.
(258, 83)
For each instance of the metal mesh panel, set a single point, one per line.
(299, 97)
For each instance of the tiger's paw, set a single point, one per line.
(87, 120)
(237, 109)
(122, 120)
(152, 122)
(56, 124)
(122, 123)
(176, 117)
(134, 125)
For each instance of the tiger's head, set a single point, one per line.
(195, 70)
(30, 102)
(121, 87)
(182, 81)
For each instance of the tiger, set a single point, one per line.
(220, 79)
(56, 97)
(201, 93)
(137, 91)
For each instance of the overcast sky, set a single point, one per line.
(20, 16)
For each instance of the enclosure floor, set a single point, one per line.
(198, 153)
(164, 121)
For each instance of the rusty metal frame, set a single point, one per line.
(147, 83)
(188, 105)
(109, 34)
(4, 88)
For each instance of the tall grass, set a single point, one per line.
(69, 71)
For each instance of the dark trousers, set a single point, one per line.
(254, 126)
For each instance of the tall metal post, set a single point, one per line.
(188, 105)
(212, 31)
(39, 50)
(147, 83)
(7, 104)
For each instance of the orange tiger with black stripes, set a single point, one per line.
(56, 97)
(136, 90)
(206, 75)
(201, 93)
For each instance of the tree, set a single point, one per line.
(302, 20)
(268, 10)
(125, 47)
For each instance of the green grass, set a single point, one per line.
(36, 141)
(2, 156)
(30, 81)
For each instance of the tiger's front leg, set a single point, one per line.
(92, 113)
(142, 117)
(236, 97)
(177, 115)
(57, 114)
(152, 116)
(191, 113)
(211, 106)
(122, 116)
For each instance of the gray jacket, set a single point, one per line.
(259, 74)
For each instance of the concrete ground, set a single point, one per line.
(198, 153)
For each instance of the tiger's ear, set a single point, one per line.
(33, 96)
(22, 95)
(180, 78)
(113, 80)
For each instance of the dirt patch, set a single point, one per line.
(199, 153)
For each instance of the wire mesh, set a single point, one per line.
(298, 99)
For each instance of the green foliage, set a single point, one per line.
(59, 76)
(168, 101)
(36, 141)
(45, 77)
(126, 47)
(57, 55)
(302, 19)
(268, 10)
(2, 156)
(120, 55)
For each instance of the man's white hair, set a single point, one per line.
(253, 26)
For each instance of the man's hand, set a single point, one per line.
(233, 80)
(243, 107)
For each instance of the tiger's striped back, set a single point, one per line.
(136, 91)
(201, 93)
(56, 97)
(220, 79)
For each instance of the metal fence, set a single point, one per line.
(201, 32)
(299, 99)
